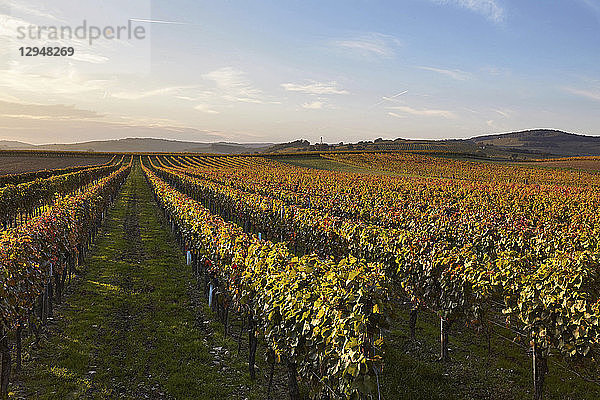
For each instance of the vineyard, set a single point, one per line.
(23, 162)
(323, 270)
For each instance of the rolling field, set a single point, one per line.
(359, 276)
(18, 164)
(591, 164)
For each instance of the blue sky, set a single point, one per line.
(282, 70)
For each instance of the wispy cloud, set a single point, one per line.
(90, 58)
(316, 88)
(423, 112)
(315, 105)
(490, 9)
(498, 123)
(369, 45)
(396, 115)
(504, 113)
(59, 80)
(137, 95)
(594, 5)
(158, 21)
(9, 98)
(60, 130)
(234, 85)
(456, 74)
(496, 71)
(205, 108)
(41, 111)
(589, 94)
(38, 11)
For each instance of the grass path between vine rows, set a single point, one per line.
(131, 326)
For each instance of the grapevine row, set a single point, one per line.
(413, 203)
(423, 165)
(16, 179)
(37, 256)
(322, 317)
(25, 198)
(554, 297)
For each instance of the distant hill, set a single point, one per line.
(295, 146)
(543, 141)
(142, 145)
(13, 145)
(513, 145)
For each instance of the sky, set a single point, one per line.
(277, 70)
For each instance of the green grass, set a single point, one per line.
(413, 372)
(129, 328)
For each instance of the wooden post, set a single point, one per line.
(45, 305)
(243, 321)
(443, 339)
(63, 280)
(4, 364)
(18, 345)
(210, 296)
(490, 331)
(50, 297)
(251, 346)
(57, 280)
(540, 368)
(292, 380)
(226, 319)
(412, 322)
(271, 357)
